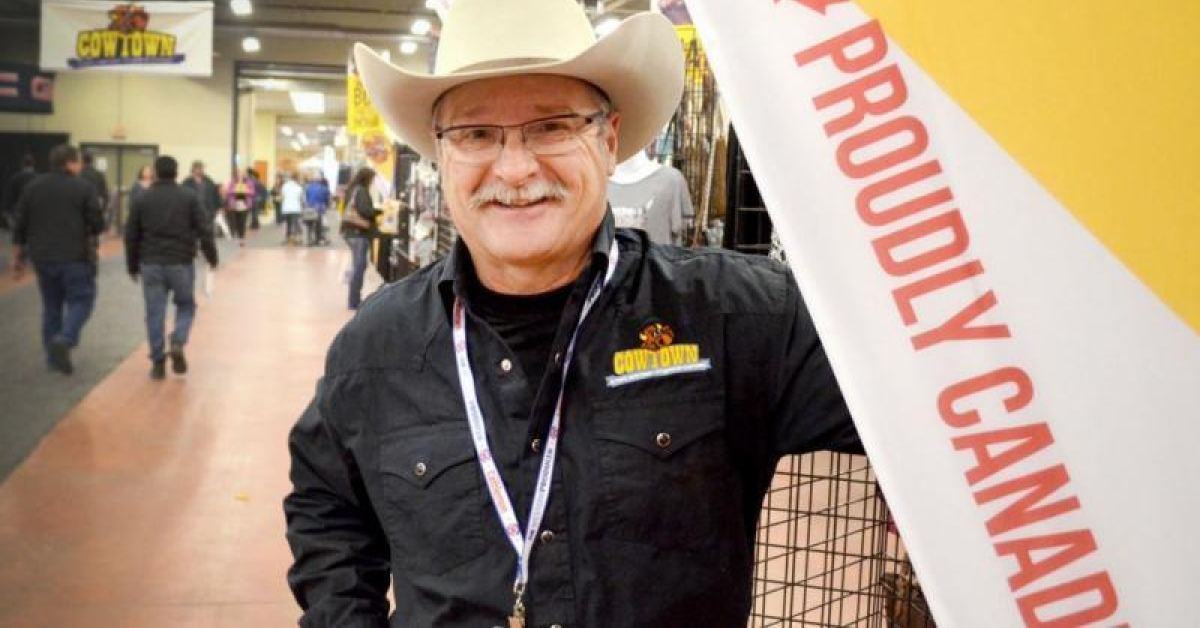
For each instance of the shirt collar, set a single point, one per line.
(453, 279)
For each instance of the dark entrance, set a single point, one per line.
(14, 146)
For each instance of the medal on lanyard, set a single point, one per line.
(522, 544)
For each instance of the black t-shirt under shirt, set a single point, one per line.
(526, 323)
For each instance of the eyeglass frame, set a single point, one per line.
(588, 120)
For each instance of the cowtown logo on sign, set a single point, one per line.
(659, 356)
(1005, 370)
(125, 41)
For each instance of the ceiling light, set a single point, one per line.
(251, 44)
(420, 26)
(322, 128)
(607, 26)
(296, 146)
(408, 47)
(269, 84)
(286, 130)
(303, 138)
(241, 7)
(308, 102)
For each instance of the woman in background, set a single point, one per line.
(144, 181)
(239, 196)
(358, 228)
(291, 207)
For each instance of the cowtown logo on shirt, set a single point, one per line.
(125, 41)
(658, 356)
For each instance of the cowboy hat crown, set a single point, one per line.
(639, 66)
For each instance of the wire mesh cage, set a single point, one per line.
(827, 553)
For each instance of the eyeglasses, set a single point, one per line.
(554, 135)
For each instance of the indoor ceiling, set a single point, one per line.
(331, 18)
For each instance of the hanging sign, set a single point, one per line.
(361, 116)
(1028, 402)
(143, 37)
(25, 89)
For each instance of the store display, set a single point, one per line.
(650, 196)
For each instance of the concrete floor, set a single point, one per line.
(158, 503)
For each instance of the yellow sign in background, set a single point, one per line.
(1097, 99)
(361, 116)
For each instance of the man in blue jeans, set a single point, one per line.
(165, 224)
(57, 223)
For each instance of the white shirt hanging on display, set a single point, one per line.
(649, 196)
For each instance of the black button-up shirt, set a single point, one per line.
(696, 371)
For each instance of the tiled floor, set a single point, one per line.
(158, 503)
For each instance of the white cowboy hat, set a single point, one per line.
(639, 65)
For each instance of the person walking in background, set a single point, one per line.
(165, 224)
(293, 204)
(316, 202)
(358, 228)
(99, 183)
(209, 194)
(144, 181)
(13, 188)
(239, 196)
(57, 221)
(277, 198)
(260, 198)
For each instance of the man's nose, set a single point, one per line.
(515, 163)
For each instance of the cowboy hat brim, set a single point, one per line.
(639, 66)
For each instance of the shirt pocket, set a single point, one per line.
(433, 497)
(666, 475)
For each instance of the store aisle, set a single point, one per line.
(32, 398)
(158, 503)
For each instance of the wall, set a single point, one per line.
(188, 118)
(262, 144)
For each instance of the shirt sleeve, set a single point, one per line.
(363, 204)
(808, 411)
(21, 219)
(341, 569)
(133, 238)
(93, 214)
(204, 230)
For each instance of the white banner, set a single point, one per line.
(145, 37)
(1031, 408)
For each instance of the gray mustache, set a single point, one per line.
(498, 192)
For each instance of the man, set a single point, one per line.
(433, 452)
(316, 203)
(204, 188)
(99, 183)
(13, 189)
(57, 222)
(165, 223)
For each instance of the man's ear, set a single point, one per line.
(611, 139)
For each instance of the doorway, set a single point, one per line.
(120, 164)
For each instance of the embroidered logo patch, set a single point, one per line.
(658, 356)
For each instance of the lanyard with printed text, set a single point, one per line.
(523, 545)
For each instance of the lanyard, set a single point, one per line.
(523, 546)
